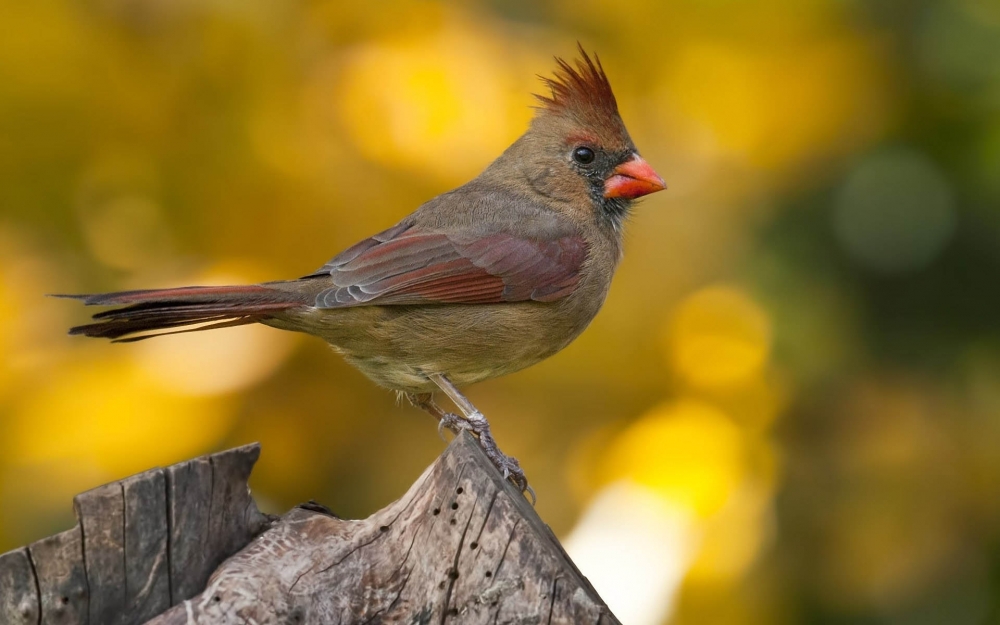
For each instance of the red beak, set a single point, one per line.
(633, 178)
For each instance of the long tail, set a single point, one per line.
(145, 312)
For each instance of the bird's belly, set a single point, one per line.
(411, 377)
(398, 346)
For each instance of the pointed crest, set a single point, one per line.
(582, 91)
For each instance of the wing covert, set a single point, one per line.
(404, 265)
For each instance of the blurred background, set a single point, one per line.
(788, 410)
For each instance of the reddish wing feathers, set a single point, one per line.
(406, 266)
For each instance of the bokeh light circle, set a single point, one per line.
(718, 337)
(895, 212)
(689, 452)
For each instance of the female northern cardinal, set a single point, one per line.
(479, 282)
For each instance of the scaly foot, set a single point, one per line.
(475, 422)
(446, 420)
(509, 467)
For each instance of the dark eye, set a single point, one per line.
(583, 155)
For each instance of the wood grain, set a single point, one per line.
(461, 546)
(147, 558)
(62, 581)
(19, 604)
(140, 545)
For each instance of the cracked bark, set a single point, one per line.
(461, 546)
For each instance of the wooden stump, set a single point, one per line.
(461, 546)
(140, 545)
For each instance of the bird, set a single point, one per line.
(478, 282)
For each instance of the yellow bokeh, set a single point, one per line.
(445, 105)
(690, 452)
(718, 337)
(774, 104)
(28, 346)
(733, 538)
(123, 225)
(758, 403)
(113, 416)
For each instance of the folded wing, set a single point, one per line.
(405, 265)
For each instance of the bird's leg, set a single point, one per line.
(508, 465)
(450, 420)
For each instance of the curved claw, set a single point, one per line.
(521, 483)
(454, 423)
(530, 491)
(511, 470)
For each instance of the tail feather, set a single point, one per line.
(143, 313)
(239, 321)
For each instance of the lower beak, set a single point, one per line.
(633, 178)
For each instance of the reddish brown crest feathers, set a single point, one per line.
(582, 91)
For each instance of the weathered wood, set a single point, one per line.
(115, 566)
(461, 546)
(212, 515)
(62, 581)
(18, 594)
(233, 520)
(147, 572)
(102, 516)
(189, 490)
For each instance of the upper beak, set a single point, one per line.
(633, 178)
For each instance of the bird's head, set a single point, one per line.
(578, 151)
